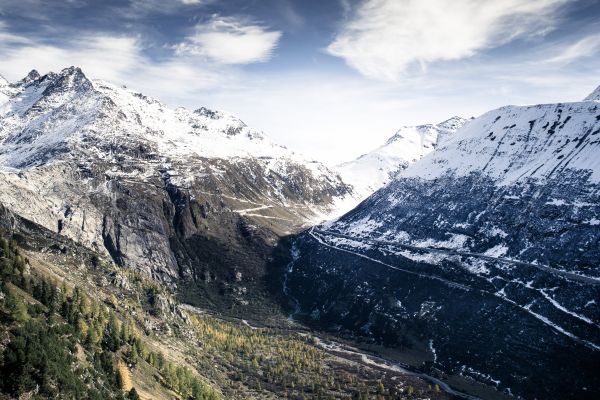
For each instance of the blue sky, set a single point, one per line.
(331, 78)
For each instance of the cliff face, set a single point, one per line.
(183, 196)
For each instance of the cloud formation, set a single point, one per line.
(117, 59)
(584, 47)
(384, 38)
(229, 40)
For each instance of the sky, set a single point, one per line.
(331, 79)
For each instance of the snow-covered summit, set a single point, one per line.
(44, 116)
(373, 170)
(521, 170)
(594, 96)
(514, 143)
(121, 172)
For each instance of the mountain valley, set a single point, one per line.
(458, 260)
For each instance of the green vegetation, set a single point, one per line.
(49, 327)
(97, 331)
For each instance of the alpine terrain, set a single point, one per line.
(195, 197)
(373, 170)
(155, 246)
(138, 248)
(480, 260)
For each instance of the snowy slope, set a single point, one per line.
(66, 115)
(373, 170)
(515, 143)
(123, 173)
(488, 175)
(484, 255)
(594, 96)
(103, 112)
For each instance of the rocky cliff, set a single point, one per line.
(183, 196)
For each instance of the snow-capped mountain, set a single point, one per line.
(409, 144)
(45, 115)
(152, 186)
(594, 96)
(483, 256)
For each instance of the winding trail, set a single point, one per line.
(315, 234)
(570, 276)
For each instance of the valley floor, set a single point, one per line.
(234, 358)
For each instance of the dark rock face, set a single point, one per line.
(524, 330)
(507, 328)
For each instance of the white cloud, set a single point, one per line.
(117, 59)
(384, 38)
(585, 47)
(332, 115)
(88, 52)
(228, 40)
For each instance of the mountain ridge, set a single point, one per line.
(373, 170)
(467, 255)
(193, 199)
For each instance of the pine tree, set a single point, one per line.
(17, 309)
(133, 395)
(133, 353)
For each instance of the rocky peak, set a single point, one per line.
(594, 96)
(71, 78)
(208, 113)
(31, 77)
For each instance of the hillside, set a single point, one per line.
(74, 325)
(373, 170)
(483, 255)
(190, 198)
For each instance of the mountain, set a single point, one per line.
(75, 325)
(594, 96)
(409, 144)
(194, 199)
(482, 257)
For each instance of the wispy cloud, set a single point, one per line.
(229, 40)
(118, 59)
(384, 38)
(584, 47)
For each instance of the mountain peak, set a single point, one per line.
(452, 123)
(408, 130)
(32, 76)
(594, 96)
(74, 72)
(207, 112)
(71, 78)
(371, 171)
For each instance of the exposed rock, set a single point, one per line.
(175, 194)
